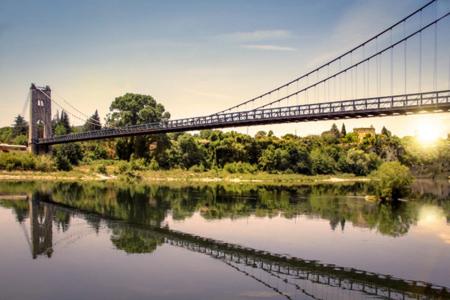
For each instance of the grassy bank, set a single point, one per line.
(112, 171)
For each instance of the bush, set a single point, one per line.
(392, 180)
(17, 161)
(122, 167)
(239, 167)
(137, 164)
(63, 163)
(197, 168)
(154, 166)
(102, 169)
(45, 163)
(71, 152)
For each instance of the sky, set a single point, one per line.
(195, 57)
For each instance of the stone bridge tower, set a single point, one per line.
(40, 118)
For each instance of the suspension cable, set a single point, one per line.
(361, 61)
(70, 105)
(73, 115)
(330, 61)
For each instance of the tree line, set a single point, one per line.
(334, 151)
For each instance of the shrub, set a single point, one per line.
(154, 166)
(197, 168)
(137, 164)
(62, 163)
(392, 180)
(17, 161)
(122, 167)
(45, 163)
(102, 169)
(71, 152)
(239, 167)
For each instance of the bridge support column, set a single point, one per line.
(40, 118)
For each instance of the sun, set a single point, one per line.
(428, 130)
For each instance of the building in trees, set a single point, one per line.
(362, 132)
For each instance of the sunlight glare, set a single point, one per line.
(428, 130)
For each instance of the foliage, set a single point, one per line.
(93, 123)
(392, 180)
(26, 162)
(61, 123)
(134, 109)
(20, 127)
(102, 169)
(239, 167)
(66, 155)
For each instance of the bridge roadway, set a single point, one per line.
(277, 265)
(438, 101)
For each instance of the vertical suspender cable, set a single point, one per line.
(392, 67)
(420, 54)
(435, 58)
(435, 50)
(404, 54)
(376, 61)
(340, 82)
(364, 72)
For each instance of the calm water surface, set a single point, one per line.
(100, 241)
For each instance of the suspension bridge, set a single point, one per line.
(404, 69)
(285, 275)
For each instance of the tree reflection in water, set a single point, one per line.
(142, 238)
(150, 205)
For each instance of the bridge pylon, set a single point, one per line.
(40, 118)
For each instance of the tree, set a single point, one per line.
(343, 130)
(322, 162)
(191, 153)
(335, 131)
(392, 180)
(93, 123)
(385, 132)
(61, 123)
(134, 109)
(64, 120)
(20, 126)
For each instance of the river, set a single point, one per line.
(121, 241)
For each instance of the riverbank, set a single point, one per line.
(86, 173)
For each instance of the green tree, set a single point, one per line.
(392, 180)
(322, 162)
(93, 123)
(343, 130)
(135, 109)
(20, 126)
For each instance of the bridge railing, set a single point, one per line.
(326, 110)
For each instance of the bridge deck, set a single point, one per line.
(438, 101)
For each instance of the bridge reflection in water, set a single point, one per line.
(285, 275)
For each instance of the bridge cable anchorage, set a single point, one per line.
(328, 62)
(73, 115)
(361, 61)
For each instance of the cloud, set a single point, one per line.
(269, 47)
(257, 36)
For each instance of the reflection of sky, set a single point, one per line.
(433, 221)
(422, 254)
(91, 268)
(86, 265)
